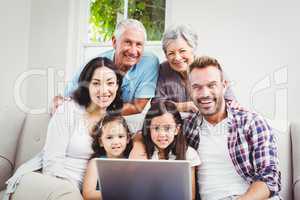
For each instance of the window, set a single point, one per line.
(104, 14)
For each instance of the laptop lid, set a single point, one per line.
(144, 179)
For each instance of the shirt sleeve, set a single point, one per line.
(160, 91)
(147, 86)
(265, 156)
(57, 141)
(193, 157)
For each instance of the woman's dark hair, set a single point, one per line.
(98, 131)
(82, 96)
(178, 147)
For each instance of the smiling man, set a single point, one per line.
(140, 68)
(237, 146)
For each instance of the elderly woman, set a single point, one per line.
(179, 45)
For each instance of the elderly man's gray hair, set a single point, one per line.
(129, 23)
(183, 31)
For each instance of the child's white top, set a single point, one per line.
(191, 155)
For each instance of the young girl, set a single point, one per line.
(111, 140)
(163, 137)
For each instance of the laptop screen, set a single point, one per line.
(144, 179)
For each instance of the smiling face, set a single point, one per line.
(129, 48)
(207, 90)
(103, 87)
(179, 54)
(163, 130)
(114, 139)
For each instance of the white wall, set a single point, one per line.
(14, 33)
(47, 50)
(40, 39)
(254, 40)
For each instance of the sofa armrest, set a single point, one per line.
(6, 170)
(295, 133)
(11, 122)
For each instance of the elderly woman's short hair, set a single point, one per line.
(183, 31)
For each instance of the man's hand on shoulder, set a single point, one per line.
(134, 107)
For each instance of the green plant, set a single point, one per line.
(104, 15)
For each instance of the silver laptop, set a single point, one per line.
(144, 179)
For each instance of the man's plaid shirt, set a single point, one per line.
(251, 143)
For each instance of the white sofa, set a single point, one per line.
(22, 136)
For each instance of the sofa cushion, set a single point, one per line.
(11, 121)
(1, 194)
(6, 170)
(32, 138)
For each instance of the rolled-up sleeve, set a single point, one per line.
(265, 155)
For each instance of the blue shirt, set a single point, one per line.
(139, 81)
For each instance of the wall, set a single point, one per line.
(47, 52)
(257, 42)
(39, 41)
(14, 33)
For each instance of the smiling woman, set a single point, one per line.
(179, 45)
(68, 145)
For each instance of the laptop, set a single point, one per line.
(144, 179)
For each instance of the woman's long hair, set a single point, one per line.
(178, 147)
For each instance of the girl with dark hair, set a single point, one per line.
(111, 140)
(69, 139)
(163, 137)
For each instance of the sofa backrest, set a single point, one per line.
(32, 138)
(34, 133)
(295, 130)
(282, 131)
(11, 121)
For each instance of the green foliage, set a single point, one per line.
(104, 15)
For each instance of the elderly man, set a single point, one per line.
(140, 68)
(237, 147)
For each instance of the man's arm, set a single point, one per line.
(187, 106)
(267, 178)
(258, 190)
(145, 88)
(134, 107)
